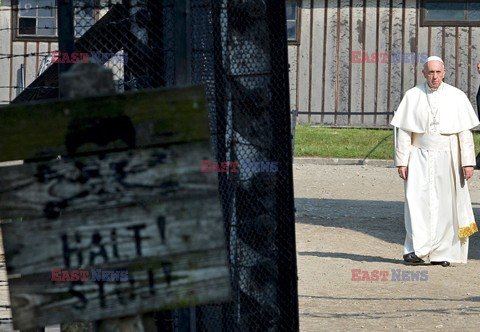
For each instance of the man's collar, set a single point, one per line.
(429, 89)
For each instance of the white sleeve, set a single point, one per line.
(467, 148)
(403, 148)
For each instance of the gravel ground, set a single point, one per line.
(350, 217)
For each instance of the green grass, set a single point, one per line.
(348, 143)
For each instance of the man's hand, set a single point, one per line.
(467, 172)
(403, 171)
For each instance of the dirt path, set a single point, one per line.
(351, 217)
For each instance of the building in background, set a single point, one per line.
(352, 61)
(28, 36)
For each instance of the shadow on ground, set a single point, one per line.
(353, 257)
(380, 219)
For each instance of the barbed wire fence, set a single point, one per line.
(238, 49)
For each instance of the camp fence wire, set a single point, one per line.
(238, 49)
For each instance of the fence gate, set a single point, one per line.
(238, 48)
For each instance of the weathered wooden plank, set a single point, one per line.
(64, 188)
(318, 43)
(5, 311)
(344, 64)
(411, 57)
(172, 282)
(356, 91)
(370, 94)
(330, 84)
(475, 54)
(396, 56)
(102, 123)
(463, 74)
(423, 50)
(5, 37)
(30, 63)
(152, 213)
(450, 56)
(292, 62)
(17, 61)
(436, 41)
(122, 235)
(384, 62)
(303, 68)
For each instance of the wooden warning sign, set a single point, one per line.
(117, 229)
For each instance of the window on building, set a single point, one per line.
(292, 20)
(450, 13)
(37, 19)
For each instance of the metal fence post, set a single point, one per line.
(65, 31)
(183, 71)
(184, 318)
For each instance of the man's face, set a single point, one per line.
(434, 73)
(478, 67)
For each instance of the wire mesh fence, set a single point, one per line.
(238, 49)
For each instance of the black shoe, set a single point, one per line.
(412, 258)
(443, 263)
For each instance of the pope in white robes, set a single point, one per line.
(435, 156)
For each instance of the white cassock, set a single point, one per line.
(435, 141)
